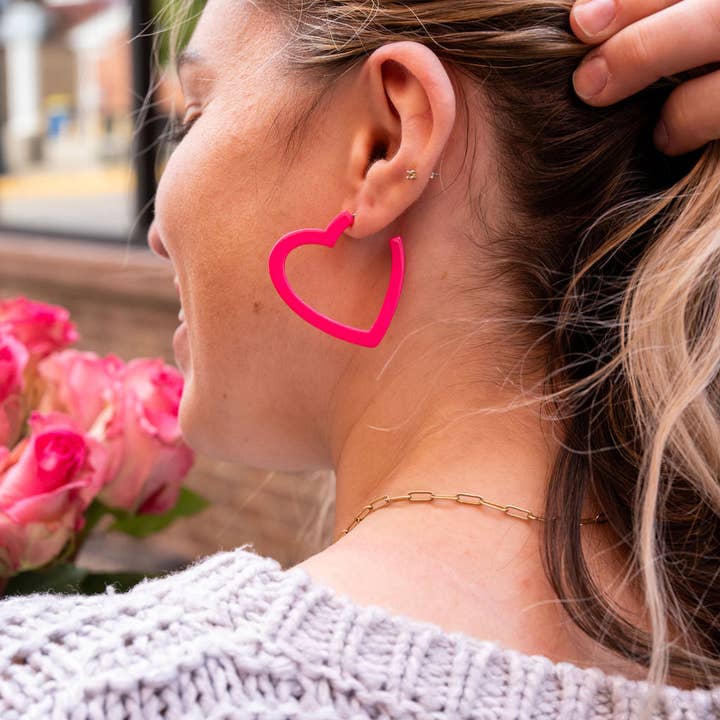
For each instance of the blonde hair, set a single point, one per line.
(617, 250)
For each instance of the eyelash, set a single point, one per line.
(181, 130)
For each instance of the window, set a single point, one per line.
(79, 138)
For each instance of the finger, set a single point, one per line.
(594, 21)
(650, 49)
(691, 116)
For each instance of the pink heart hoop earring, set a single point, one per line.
(328, 237)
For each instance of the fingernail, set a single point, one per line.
(593, 16)
(660, 136)
(591, 77)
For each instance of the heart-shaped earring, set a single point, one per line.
(328, 237)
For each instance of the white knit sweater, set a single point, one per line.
(233, 635)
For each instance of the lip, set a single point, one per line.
(179, 341)
(181, 313)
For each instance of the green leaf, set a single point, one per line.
(94, 513)
(140, 526)
(68, 579)
(63, 578)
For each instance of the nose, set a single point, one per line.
(154, 241)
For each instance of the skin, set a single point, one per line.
(266, 389)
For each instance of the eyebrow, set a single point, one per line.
(188, 57)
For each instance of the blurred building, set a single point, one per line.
(66, 81)
(70, 114)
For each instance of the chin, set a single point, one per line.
(199, 424)
(188, 418)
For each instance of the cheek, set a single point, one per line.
(174, 190)
(212, 211)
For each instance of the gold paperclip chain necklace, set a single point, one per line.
(465, 498)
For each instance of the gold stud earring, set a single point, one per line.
(412, 175)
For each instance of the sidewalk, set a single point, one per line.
(109, 180)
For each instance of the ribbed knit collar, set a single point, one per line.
(435, 673)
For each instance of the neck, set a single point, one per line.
(424, 424)
(480, 570)
(495, 444)
(446, 447)
(462, 567)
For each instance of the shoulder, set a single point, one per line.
(195, 633)
(235, 636)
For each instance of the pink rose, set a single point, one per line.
(13, 360)
(80, 384)
(46, 484)
(42, 328)
(149, 457)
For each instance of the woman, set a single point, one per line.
(541, 340)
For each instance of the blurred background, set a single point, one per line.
(85, 112)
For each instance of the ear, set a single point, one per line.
(408, 113)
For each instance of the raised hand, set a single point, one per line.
(640, 41)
